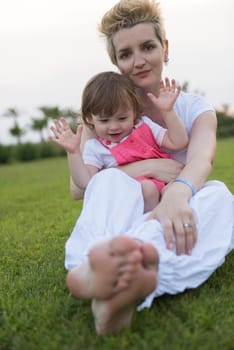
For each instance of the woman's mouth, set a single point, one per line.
(142, 74)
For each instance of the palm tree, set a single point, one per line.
(12, 112)
(50, 112)
(73, 117)
(16, 130)
(39, 125)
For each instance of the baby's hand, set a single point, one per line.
(167, 95)
(64, 136)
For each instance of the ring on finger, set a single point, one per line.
(187, 225)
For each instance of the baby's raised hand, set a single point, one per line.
(64, 136)
(167, 95)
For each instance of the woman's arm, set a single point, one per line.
(165, 170)
(201, 150)
(173, 211)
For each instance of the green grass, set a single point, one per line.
(37, 312)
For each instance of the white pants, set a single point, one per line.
(113, 205)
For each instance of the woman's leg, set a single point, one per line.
(99, 265)
(113, 202)
(213, 210)
(116, 272)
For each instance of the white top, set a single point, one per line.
(188, 106)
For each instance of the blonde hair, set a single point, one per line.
(106, 93)
(128, 13)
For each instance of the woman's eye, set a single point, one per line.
(124, 55)
(148, 47)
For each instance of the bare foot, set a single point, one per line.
(113, 314)
(150, 256)
(110, 268)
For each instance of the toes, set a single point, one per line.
(135, 257)
(150, 256)
(123, 245)
(114, 265)
(130, 260)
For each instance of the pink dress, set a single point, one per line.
(139, 145)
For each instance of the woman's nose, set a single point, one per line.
(139, 60)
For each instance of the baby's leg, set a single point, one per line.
(110, 268)
(151, 195)
(113, 314)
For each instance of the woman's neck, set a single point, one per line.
(149, 109)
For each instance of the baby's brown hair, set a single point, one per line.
(106, 93)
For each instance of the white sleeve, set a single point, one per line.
(157, 130)
(91, 154)
(98, 155)
(189, 106)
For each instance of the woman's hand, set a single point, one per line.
(177, 220)
(165, 170)
(64, 136)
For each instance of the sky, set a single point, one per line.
(50, 48)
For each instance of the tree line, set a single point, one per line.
(38, 124)
(27, 151)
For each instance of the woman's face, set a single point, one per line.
(140, 55)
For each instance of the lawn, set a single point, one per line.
(36, 310)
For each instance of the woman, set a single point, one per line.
(187, 236)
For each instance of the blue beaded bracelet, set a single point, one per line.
(186, 182)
